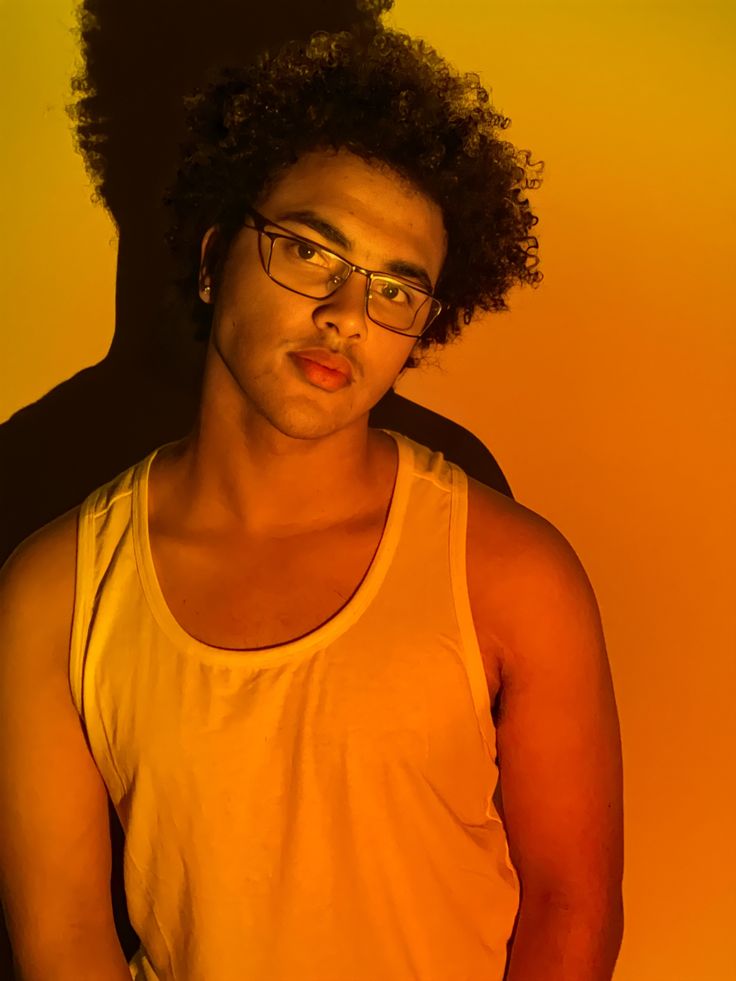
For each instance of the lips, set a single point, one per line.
(328, 359)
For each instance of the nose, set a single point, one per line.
(344, 310)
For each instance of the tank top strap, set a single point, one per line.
(104, 518)
(471, 652)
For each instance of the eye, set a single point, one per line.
(307, 253)
(394, 293)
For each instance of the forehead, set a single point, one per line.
(383, 215)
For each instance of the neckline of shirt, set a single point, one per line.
(320, 636)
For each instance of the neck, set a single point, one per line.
(237, 474)
(270, 487)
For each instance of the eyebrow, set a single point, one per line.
(397, 266)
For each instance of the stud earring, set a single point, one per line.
(207, 290)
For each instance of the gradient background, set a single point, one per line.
(607, 395)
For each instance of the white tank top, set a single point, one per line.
(321, 810)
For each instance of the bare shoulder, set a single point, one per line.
(503, 529)
(520, 567)
(46, 554)
(37, 585)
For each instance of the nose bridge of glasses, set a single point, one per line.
(342, 271)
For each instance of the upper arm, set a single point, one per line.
(54, 842)
(557, 726)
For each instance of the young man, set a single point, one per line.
(297, 652)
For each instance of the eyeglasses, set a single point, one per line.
(309, 269)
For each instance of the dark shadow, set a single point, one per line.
(142, 57)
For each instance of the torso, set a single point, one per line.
(260, 594)
(243, 592)
(247, 595)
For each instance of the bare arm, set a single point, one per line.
(54, 836)
(560, 768)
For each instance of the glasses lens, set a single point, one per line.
(306, 268)
(397, 305)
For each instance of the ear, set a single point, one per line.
(206, 263)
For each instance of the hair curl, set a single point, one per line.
(387, 98)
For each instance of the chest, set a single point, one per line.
(259, 595)
(256, 594)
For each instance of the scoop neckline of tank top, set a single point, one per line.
(321, 635)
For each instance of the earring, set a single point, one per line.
(207, 290)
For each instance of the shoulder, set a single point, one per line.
(502, 529)
(523, 574)
(37, 584)
(45, 552)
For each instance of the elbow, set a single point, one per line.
(596, 916)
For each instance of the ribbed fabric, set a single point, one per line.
(317, 811)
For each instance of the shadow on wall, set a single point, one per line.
(142, 56)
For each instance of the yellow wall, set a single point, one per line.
(607, 395)
(58, 251)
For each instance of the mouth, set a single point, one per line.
(320, 375)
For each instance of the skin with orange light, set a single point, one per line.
(280, 473)
(267, 442)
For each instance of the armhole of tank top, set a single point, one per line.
(84, 591)
(82, 594)
(472, 657)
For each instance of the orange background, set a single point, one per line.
(607, 395)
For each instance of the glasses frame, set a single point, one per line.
(260, 226)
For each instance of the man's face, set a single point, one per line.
(366, 214)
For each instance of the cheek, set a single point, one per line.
(243, 281)
(246, 303)
(386, 361)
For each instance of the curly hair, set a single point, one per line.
(389, 99)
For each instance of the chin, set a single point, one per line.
(309, 423)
